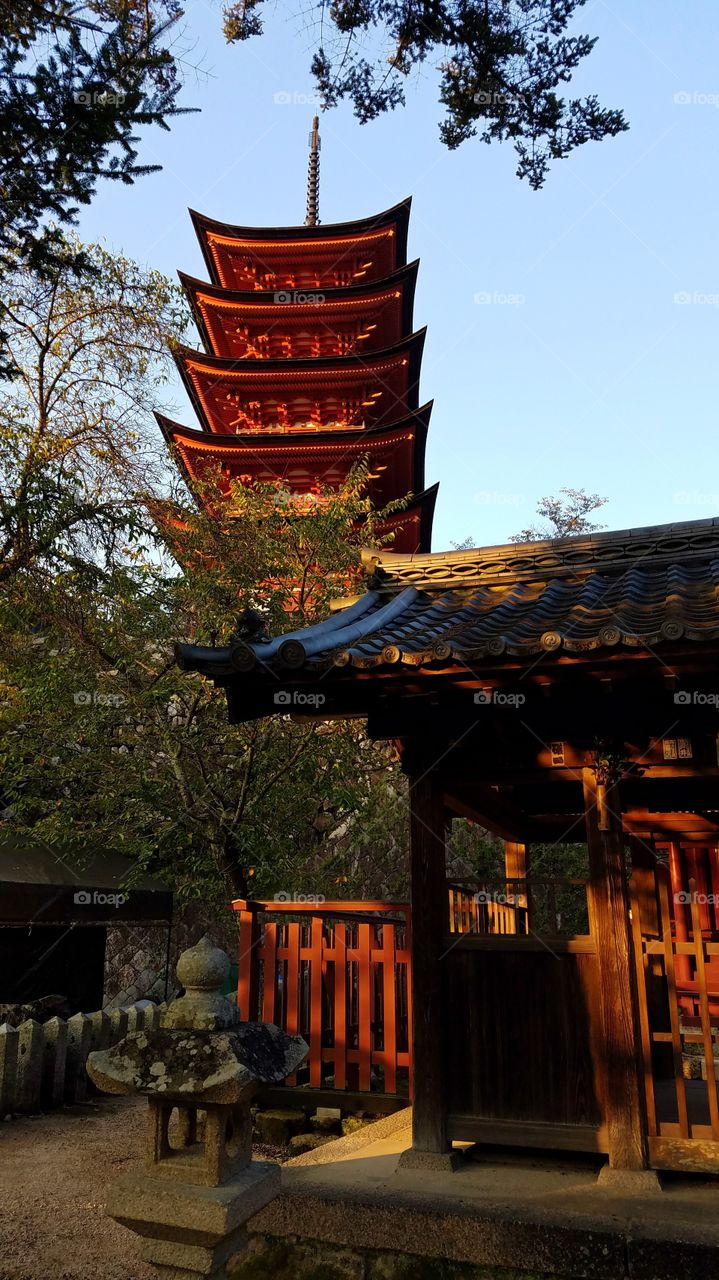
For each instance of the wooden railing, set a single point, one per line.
(555, 907)
(486, 910)
(338, 974)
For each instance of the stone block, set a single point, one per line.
(277, 1127)
(353, 1124)
(118, 1025)
(8, 1067)
(54, 1063)
(304, 1142)
(79, 1032)
(298, 1260)
(30, 1049)
(99, 1031)
(668, 1259)
(177, 1258)
(201, 1216)
(629, 1182)
(135, 1019)
(327, 1120)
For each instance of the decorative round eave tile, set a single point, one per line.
(551, 640)
(291, 653)
(242, 657)
(609, 635)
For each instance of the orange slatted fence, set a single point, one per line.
(338, 974)
(682, 1105)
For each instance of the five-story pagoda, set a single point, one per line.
(310, 360)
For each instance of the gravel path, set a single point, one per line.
(53, 1172)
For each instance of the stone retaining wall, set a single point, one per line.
(312, 1260)
(42, 1065)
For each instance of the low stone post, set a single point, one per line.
(199, 1185)
(30, 1050)
(79, 1035)
(8, 1067)
(54, 1063)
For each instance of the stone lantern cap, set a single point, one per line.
(201, 1052)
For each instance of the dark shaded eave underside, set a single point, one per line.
(371, 439)
(397, 215)
(412, 344)
(405, 277)
(216, 366)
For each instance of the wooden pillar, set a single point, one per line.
(644, 894)
(609, 914)
(429, 929)
(515, 868)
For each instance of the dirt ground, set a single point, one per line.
(53, 1172)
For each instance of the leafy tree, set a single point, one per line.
(77, 82)
(565, 517)
(501, 64)
(105, 741)
(89, 357)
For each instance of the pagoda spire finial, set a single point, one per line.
(313, 176)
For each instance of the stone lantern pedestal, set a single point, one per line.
(199, 1071)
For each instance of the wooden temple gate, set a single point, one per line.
(554, 693)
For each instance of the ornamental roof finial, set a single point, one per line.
(313, 176)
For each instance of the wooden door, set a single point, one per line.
(679, 1022)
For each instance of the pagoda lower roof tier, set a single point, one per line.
(317, 257)
(411, 529)
(395, 453)
(296, 325)
(346, 393)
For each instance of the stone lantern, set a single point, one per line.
(199, 1185)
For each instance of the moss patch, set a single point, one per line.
(289, 1259)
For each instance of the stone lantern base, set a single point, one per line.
(188, 1230)
(203, 1065)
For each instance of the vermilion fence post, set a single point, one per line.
(316, 1003)
(389, 1007)
(340, 1011)
(364, 980)
(269, 985)
(292, 984)
(247, 978)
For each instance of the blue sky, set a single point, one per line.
(594, 362)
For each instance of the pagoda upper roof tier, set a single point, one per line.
(343, 393)
(359, 318)
(317, 257)
(395, 452)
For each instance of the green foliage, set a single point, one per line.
(104, 742)
(90, 357)
(501, 64)
(77, 82)
(565, 517)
